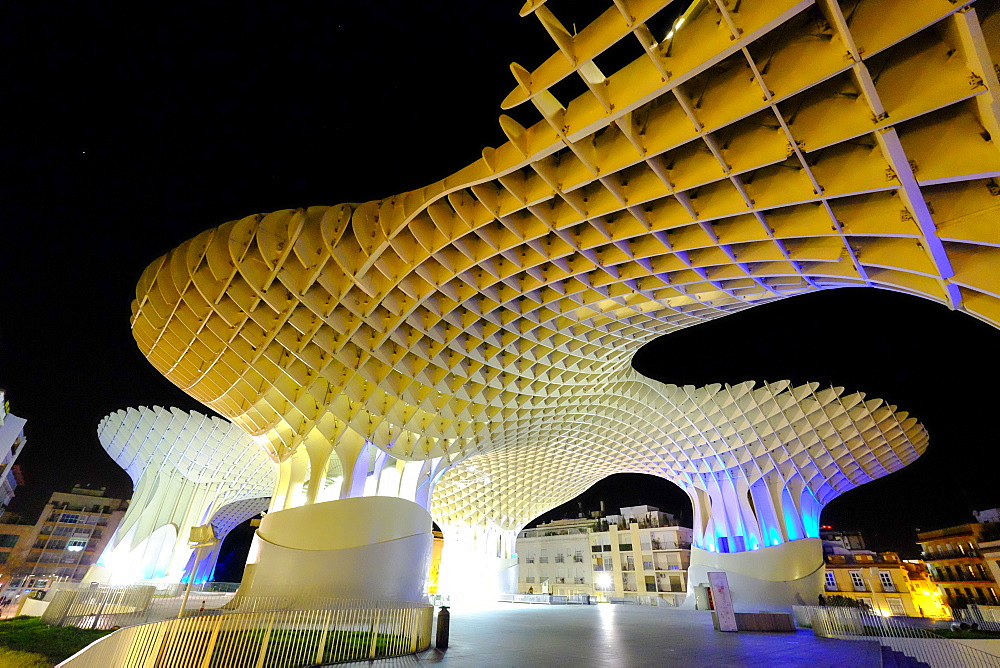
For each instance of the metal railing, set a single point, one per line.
(274, 639)
(110, 607)
(859, 559)
(969, 552)
(897, 634)
(545, 599)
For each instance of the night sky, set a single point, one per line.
(131, 129)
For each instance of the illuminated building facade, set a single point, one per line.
(11, 443)
(66, 540)
(188, 470)
(641, 552)
(957, 564)
(465, 347)
(884, 582)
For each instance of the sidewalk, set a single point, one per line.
(509, 634)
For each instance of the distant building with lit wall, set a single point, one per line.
(640, 552)
(955, 557)
(11, 443)
(65, 541)
(989, 543)
(881, 580)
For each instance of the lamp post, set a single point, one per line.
(200, 536)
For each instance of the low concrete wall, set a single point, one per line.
(988, 646)
(32, 607)
(760, 621)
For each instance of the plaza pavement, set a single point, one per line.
(511, 634)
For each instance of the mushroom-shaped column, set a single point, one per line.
(188, 470)
(759, 464)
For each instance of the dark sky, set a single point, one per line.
(132, 127)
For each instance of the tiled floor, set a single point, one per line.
(509, 634)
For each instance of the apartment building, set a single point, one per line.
(61, 545)
(639, 552)
(956, 561)
(883, 581)
(11, 443)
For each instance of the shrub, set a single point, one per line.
(839, 601)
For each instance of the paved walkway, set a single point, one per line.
(511, 634)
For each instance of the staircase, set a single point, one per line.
(893, 659)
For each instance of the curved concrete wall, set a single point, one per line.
(370, 547)
(771, 578)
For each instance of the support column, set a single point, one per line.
(478, 563)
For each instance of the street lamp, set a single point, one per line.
(200, 536)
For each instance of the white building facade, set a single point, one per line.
(640, 552)
(11, 443)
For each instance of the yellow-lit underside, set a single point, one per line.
(768, 148)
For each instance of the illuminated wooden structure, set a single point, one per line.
(718, 155)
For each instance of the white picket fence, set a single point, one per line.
(892, 632)
(269, 639)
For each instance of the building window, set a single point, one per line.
(8, 540)
(70, 518)
(857, 581)
(885, 577)
(896, 606)
(530, 578)
(831, 581)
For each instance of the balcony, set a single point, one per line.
(982, 579)
(858, 559)
(665, 588)
(950, 554)
(577, 558)
(561, 559)
(927, 536)
(543, 560)
(668, 545)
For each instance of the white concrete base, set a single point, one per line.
(771, 578)
(364, 548)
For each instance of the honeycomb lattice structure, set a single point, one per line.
(765, 459)
(188, 470)
(719, 155)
